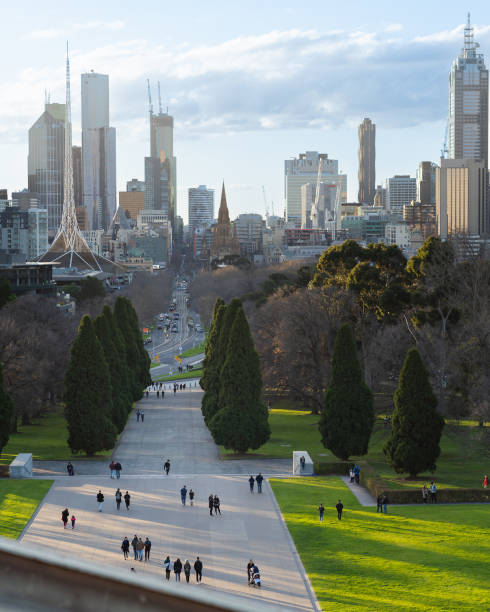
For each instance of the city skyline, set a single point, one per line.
(247, 147)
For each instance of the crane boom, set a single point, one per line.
(159, 100)
(149, 96)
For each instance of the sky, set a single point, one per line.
(249, 84)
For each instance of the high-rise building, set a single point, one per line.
(249, 230)
(46, 163)
(4, 194)
(462, 197)
(201, 207)
(77, 176)
(468, 103)
(135, 185)
(380, 196)
(132, 203)
(426, 182)
(304, 169)
(162, 148)
(367, 162)
(25, 199)
(401, 189)
(24, 231)
(316, 216)
(157, 190)
(98, 152)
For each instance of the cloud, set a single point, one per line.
(394, 27)
(59, 32)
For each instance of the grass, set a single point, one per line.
(196, 350)
(45, 439)
(18, 502)
(413, 558)
(183, 375)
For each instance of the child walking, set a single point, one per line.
(73, 520)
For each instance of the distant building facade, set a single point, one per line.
(224, 242)
(401, 189)
(157, 186)
(162, 149)
(249, 230)
(367, 162)
(426, 183)
(201, 207)
(135, 185)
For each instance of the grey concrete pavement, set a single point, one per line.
(363, 496)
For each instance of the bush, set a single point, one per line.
(335, 467)
(444, 496)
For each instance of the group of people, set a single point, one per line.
(214, 504)
(339, 507)
(176, 567)
(119, 497)
(64, 517)
(259, 480)
(115, 469)
(253, 574)
(183, 495)
(138, 547)
(354, 473)
(431, 492)
(140, 414)
(382, 502)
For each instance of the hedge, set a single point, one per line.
(444, 496)
(339, 467)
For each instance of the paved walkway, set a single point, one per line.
(250, 526)
(363, 496)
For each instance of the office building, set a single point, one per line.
(157, 185)
(468, 103)
(25, 199)
(135, 185)
(304, 169)
(201, 207)
(316, 216)
(24, 231)
(380, 196)
(426, 183)
(45, 162)
(37, 238)
(462, 198)
(367, 162)
(162, 149)
(401, 189)
(132, 203)
(4, 194)
(98, 152)
(249, 230)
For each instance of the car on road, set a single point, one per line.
(148, 341)
(176, 316)
(198, 328)
(159, 327)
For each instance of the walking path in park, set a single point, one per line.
(250, 526)
(363, 496)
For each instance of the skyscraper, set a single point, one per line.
(201, 207)
(426, 182)
(162, 148)
(367, 162)
(401, 189)
(468, 103)
(157, 190)
(45, 162)
(98, 152)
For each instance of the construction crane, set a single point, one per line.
(159, 100)
(315, 212)
(149, 96)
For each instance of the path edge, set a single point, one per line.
(36, 511)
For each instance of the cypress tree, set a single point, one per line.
(88, 394)
(119, 407)
(124, 326)
(5, 414)
(416, 424)
(242, 419)
(144, 358)
(210, 376)
(347, 419)
(121, 352)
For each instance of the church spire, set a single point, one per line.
(223, 215)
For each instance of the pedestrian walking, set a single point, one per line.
(386, 501)
(321, 510)
(485, 482)
(64, 517)
(357, 471)
(147, 393)
(134, 542)
(183, 494)
(250, 566)
(191, 497)
(73, 521)
(259, 479)
(138, 412)
(158, 393)
(211, 504)
(118, 468)
(166, 466)
(140, 547)
(351, 474)
(127, 500)
(187, 570)
(251, 482)
(125, 547)
(340, 507)
(118, 499)
(433, 493)
(69, 468)
(147, 549)
(112, 469)
(142, 414)
(167, 566)
(379, 504)
(198, 569)
(216, 503)
(177, 569)
(302, 462)
(163, 394)
(425, 494)
(100, 500)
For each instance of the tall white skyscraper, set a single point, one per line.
(201, 207)
(98, 152)
(468, 103)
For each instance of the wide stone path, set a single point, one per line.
(250, 525)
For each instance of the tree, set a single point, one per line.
(6, 294)
(5, 414)
(210, 376)
(144, 358)
(121, 404)
(242, 420)
(88, 394)
(348, 415)
(90, 288)
(416, 424)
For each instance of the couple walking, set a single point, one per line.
(214, 502)
(119, 497)
(258, 479)
(115, 468)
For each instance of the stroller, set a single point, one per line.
(255, 577)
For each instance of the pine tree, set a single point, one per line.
(347, 419)
(242, 419)
(121, 352)
(416, 424)
(144, 360)
(88, 394)
(211, 371)
(119, 402)
(5, 414)
(122, 322)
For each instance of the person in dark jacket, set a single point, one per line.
(187, 570)
(340, 507)
(191, 497)
(167, 566)
(125, 547)
(64, 517)
(183, 494)
(250, 565)
(251, 482)
(147, 549)
(198, 569)
(166, 466)
(258, 479)
(118, 468)
(379, 504)
(134, 542)
(211, 505)
(386, 501)
(100, 499)
(69, 468)
(216, 503)
(177, 569)
(118, 499)
(127, 500)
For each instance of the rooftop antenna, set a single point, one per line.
(149, 96)
(159, 100)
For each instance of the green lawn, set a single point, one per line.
(196, 350)
(177, 376)
(413, 558)
(45, 439)
(18, 501)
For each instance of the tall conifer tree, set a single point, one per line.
(347, 419)
(211, 372)
(88, 394)
(122, 322)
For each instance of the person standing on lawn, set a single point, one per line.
(64, 517)
(485, 482)
(379, 504)
(321, 510)
(259, 479)
(340, 507)
(433, 493)
(386, 501)
(425, 494)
